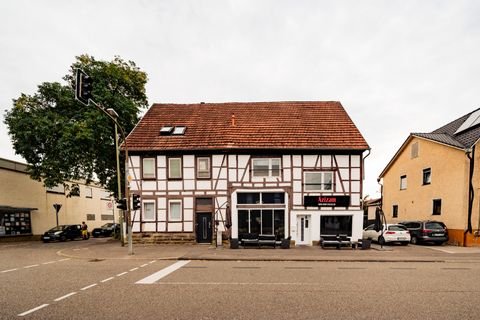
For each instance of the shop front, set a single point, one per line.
(260, 212)
(15, 221)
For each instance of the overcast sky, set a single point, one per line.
(396, 66)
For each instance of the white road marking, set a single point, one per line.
(242, 283)
(153, 261)
(144, 265)
(32, 310)
(88, 287)
(163, 273)
(121, 274)
(133, 269)
(65, 296)
(49, 262)
(9, 270)
(66, 259)
(108, 279)
(32, 266)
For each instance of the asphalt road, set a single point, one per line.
(38, 283)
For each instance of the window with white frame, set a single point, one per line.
(427, 176)
(148, 210)
(148, 168)
(203, 168)
(175, 168)
(266, 167)
(403, 182)
(174, 210)
(318, 181)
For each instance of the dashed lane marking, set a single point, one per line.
(163, 273)
(133, 269)
(9, 270)
(32, 266)
(121, 274)
(65, 296)
(108, 279)
(88, 287)
(33, 310)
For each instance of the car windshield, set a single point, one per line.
(107, 225)
(433, 225)
(397, 228)
(58, 228)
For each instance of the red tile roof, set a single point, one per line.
(258, 125)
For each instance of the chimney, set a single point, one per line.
(234, 123)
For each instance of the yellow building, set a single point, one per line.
(436, 176)
(27, 207)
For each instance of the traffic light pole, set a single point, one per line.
(127, 183)
(83, 93)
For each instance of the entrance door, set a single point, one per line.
(303, 230)
(203, 227)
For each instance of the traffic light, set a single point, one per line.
(83, 87)
(122, 204)
(136, 202)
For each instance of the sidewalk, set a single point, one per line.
(109, 249)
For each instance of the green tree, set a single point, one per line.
(63, 140)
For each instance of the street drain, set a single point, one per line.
(95, 260)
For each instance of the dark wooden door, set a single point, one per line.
(203, 227)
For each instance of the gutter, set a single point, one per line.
(470, 153)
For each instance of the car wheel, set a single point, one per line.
(46, 241)
(381, 240)
(63, 238)
(414, 240)
(404, 243)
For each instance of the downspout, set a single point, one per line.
(470, 153)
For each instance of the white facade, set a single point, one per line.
(175, 191)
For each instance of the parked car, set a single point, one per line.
(63, 233)
(427, 231)
(391, 233)
(107, 230)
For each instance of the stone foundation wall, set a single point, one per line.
(164, 238)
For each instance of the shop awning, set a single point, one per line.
(8, 209)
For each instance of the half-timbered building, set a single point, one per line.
(212, 170)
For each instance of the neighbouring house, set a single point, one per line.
(370, 207)
(211, 170)
(435, 176)
(27, 207)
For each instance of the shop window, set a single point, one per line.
(203, 168)
(403, 182)
(175, 168)
(15, 223)
(266, 167)
(175, 210)
(318, 181)
(262, 221)
(437, 207)
(148, 168)
(427, 176)
(333, 225)
(148, 210)
(261, 198)
(395, 211)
